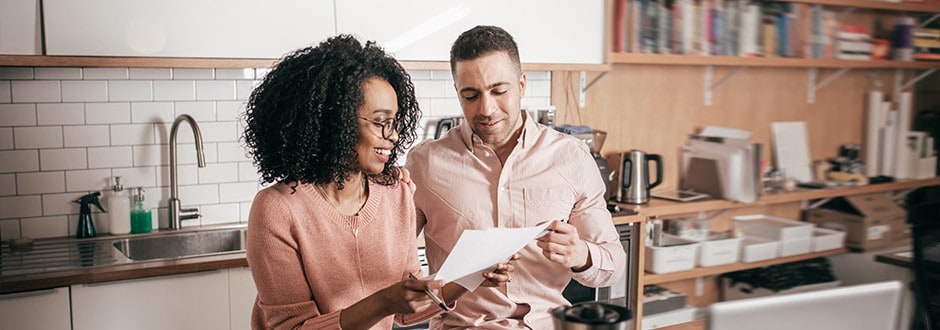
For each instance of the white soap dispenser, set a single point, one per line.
(119, 209)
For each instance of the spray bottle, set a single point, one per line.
(86, 225)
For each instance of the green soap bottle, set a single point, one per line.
(140, 217)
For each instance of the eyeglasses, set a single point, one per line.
(388, 126)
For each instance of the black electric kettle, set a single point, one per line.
(446, 124)
(635, 177)
(592, 315)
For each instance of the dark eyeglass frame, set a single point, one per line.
(387, 126)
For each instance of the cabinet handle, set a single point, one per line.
(162, 277)
(27, 294)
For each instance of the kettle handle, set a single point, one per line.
(659, 169)
(625, 172)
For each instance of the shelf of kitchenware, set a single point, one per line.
(193, 62)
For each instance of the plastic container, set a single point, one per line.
(676, 254)
(119, 209)
(827, 239)
(755, 248)
(795, 237)
(716, 251)
(141, 219)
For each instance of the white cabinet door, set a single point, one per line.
(185, 28)
(242, 294)
(20, 28)
(423, 30)
(43, 309)
(184, 301)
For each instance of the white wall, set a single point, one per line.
(66, 131)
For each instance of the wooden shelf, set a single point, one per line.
(777, 62)
(881, 5)
(650, 278)
(179, 62)
(663, 208)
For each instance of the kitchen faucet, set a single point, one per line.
(176, 212)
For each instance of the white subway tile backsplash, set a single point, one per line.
(229, 110)
(5, 96)
(536, 88)
(151, 112)
(150, 155)
(130, 90)
(9, 228)
(218, 214)
(6, 138)
(538, 75)
(190, 74)
(234, 74)
(218, 173)
(232, 152)
(441, 75)
(210, 90)
(15, 73)
(45, 227)
(199, 194)
(63, 159)
(419, 74)
(432, 88)
(60, 113)
(110, 157)
(108, 113)
(104, 73)
(174, 90)
(60, 204)
(15, 161)
(136, 176)
(88, 180)
(7, 184)
(17, 114)
(200, 111)
(87, 136)
(261, 72)
(536, 102)
(151, 73)
(185, 175)
(85, 91)
(248, 172)
(57, 73)
(40, 183)
(37, 137)
(244, 209)
(20, 206)
(443, 108)
(134, 134)
(32, 91)
(243, 88)
(238, 192)
(219, 132)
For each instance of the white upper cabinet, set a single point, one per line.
(20, 28)
(553, 31)
(185, 28)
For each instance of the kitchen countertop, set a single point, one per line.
(115, 266)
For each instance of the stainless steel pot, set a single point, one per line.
(592, 315)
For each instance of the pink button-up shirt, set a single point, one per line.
(548, 176)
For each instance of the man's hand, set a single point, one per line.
(502, 273)
(563, 245)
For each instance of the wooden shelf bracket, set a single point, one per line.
(711, 84)
(584, 86)
(812, 86)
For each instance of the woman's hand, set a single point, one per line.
(408, 296)
(405, 177)
(502, 273)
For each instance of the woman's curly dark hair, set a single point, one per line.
(303, 119)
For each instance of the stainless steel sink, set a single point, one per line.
(182, 244)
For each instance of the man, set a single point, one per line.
(501, 169)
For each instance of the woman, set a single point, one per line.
(332, 243)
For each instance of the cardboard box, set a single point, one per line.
(869, 221)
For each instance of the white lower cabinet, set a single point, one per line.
(183, 301)
(242, 294)
(42, 309)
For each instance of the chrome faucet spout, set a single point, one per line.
(175, 210)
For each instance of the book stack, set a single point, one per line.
(927, 44)
(853, 42)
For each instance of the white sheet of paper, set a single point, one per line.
(478, 250)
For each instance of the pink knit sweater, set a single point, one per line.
(309, 262)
